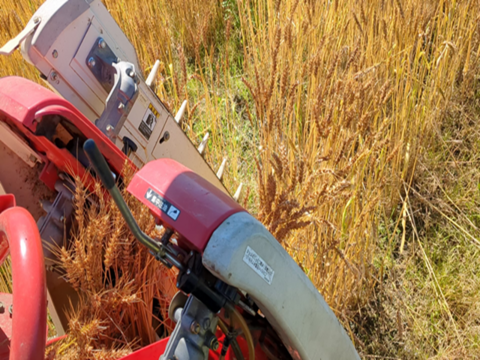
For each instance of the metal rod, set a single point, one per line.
(103, 171)
(131, 223)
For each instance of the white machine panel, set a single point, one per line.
(62, 36)
(242, 253)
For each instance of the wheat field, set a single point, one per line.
(340, 118)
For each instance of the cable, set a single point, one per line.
(246, 331)
(233, 342)
(236, 350)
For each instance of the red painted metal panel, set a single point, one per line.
(115, 157)
(6, 202)
(153, 351)
(24, 103)
(19, 229)
(198, 206)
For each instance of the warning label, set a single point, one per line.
(148, 122)
(162, 204)
(252, 259)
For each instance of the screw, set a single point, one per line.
(166, 136)
(214, 346)
(102, 44)
(195, 327)
(55, 54)
(91, 62)
(213, 343)
(54, 76)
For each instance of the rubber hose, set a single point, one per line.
(246, 331)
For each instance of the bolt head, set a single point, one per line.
(214, 344)
(206, 324)
(195, 327)
(166, 136)
(36, 20)
(91, 62)
(102, 44)
(55, 54)
(54, 76)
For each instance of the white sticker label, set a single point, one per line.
(258, 265)
(173, 212)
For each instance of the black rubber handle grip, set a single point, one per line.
(99, 164)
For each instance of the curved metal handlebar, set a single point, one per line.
(19, 234)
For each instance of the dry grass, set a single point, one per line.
(324, 109)
(124, 291)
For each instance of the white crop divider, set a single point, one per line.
(153, 74)
(221, 169)
(203, 144)
(238, 193)
(181, 111)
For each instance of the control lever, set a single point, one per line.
(100, 166)
(188, 281)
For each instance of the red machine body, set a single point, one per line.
(24, 336)
(198, 209)
(183, 200)
(23, 104)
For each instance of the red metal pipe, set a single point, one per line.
(19, 234)
(55, 340)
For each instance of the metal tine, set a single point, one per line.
(203, 144)
(179, 116)
(221, 169)
(153, 74)
(238, 193)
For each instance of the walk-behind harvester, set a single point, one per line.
(240, 295)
